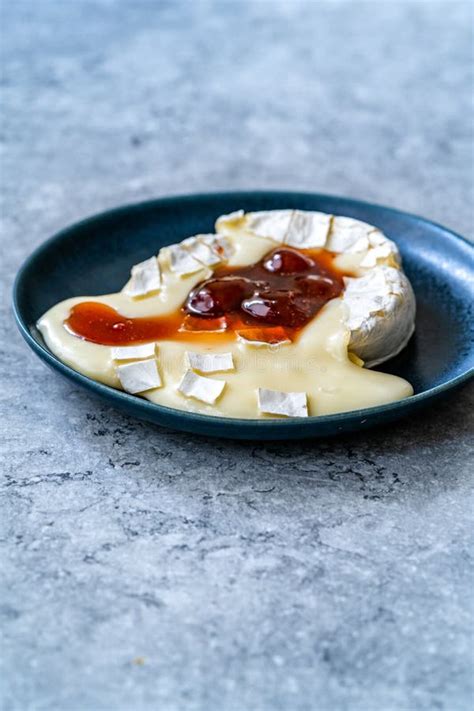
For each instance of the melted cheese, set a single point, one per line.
(317, 363)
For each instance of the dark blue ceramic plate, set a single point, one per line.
(94, 257)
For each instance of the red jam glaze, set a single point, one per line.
(275, 297)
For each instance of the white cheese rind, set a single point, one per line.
(200, 388)
(308, 230)
(297, 228)
(381, 249)
(200, 249)
(381, 311)
(349, 235)
(145, 278)
(274, 402)
(272, 224)
(139, 377)
(210, 362)
(133, 352)
(182, 261)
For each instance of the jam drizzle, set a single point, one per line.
(275, 298)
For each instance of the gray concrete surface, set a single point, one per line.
(150, 570)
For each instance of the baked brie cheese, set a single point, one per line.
(279, 313)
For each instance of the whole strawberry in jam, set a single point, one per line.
(287, 261)
(217, 297)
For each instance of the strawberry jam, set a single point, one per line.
(286, 288)
(280, 293)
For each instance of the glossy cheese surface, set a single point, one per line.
(316, 362)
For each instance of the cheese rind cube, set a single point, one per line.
(182, 261)
(139, 377)
(205, 389)
(308, 230)
(145, 278)
(274, 402)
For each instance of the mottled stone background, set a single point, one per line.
(151, 570)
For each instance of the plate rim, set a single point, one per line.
(271, 423)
